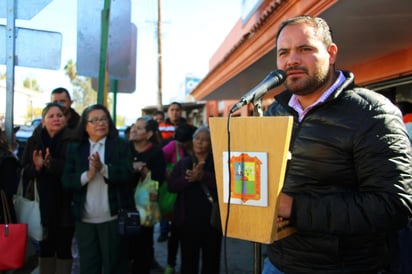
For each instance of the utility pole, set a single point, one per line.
(159, 55)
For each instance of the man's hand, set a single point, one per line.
(285, 207)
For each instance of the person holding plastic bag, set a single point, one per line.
(150, 170)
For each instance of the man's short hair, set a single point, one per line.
(60, 90)
(159, 112)
(177, 104)
(321, 26)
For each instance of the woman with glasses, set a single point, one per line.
(98, 170)
(43, 159)
(145, 142)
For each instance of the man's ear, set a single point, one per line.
(333, 52)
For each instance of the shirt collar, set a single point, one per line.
(294, 102)
(101, 141)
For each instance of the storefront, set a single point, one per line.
(373, 36)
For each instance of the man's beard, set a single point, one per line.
(308, 85)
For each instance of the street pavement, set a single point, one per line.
(239, 257)
(239, 254)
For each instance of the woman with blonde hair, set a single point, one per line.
(43, 159)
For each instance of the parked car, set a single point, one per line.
(25, 132)
(122, 131)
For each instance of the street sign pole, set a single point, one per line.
(10, 53)
(103, 51)
(113, 88)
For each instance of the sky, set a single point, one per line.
(192, 31)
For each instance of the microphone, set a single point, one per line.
(273, 79)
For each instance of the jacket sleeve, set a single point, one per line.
(120, 167)
(159, 169)
(168, 151)
(26, 161)
(73, 167)
(177, 181)
(380, 199)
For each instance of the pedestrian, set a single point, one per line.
(62, 96)
(16, 146)
(177, 149)
(347, 187)
(200, 242)
(404, 263)
(98, 170)
(167, 129)
(174, 118)
(9, 174)
(43, 159)
(145, 144)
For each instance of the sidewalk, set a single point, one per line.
(240, 257)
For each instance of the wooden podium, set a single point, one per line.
(270, 135)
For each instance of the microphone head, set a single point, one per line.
(273, 79)
(278, 73)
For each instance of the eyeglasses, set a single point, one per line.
(96, 120)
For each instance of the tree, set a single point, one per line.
(31, 84)
(83, 93)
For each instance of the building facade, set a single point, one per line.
(373, 37)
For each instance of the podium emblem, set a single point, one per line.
(248, 172)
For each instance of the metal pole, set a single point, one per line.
(113, 88)
(103, 51)
(257, 261)
(159, 55)
(257, 247)
(10, 63)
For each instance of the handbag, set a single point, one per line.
(128, 222)
(149, 210)
(28, 211)
(167, 199)
(13, 239)
(215, 220)
(128, 219)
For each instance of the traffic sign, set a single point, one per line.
(25, 9)
(89, 38)
(34, 48)
(127, 85)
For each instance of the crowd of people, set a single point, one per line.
(347, 187)
(86, 173)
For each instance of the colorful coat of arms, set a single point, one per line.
(246, 177)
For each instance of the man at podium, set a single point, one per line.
(347, 187)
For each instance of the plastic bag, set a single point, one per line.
(146, 204)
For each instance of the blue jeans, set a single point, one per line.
(269, 268)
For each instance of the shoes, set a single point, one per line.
(169, 270)
(163, 237)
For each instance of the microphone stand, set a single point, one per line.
(257, 107)
(257, 247)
